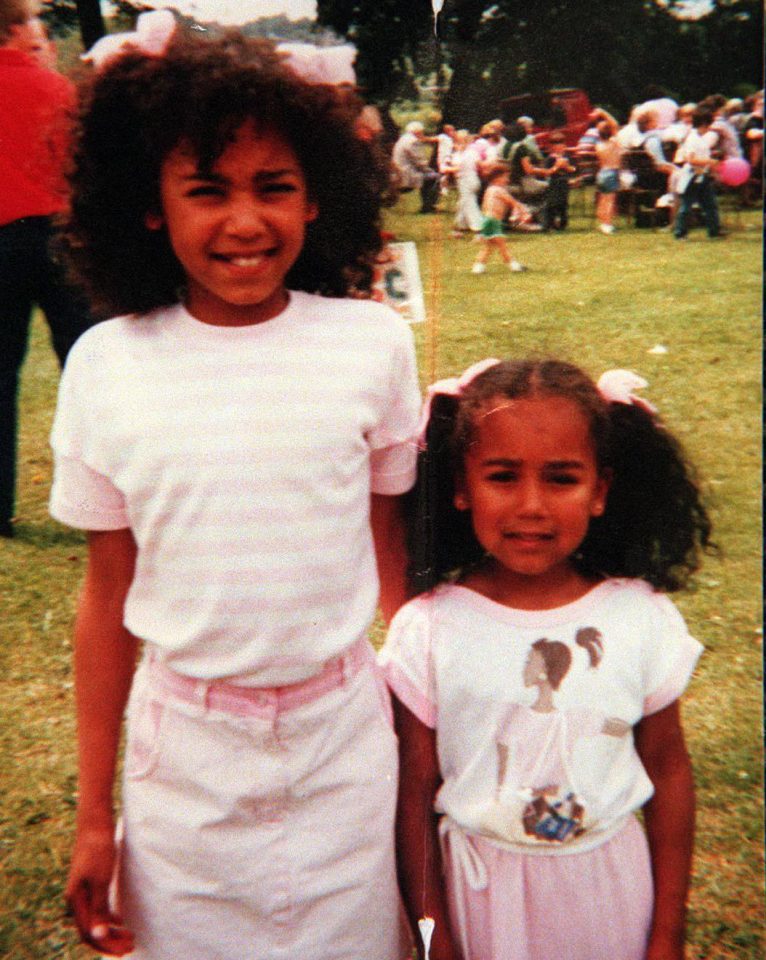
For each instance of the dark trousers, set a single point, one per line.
(429, 191)
(29, 276)
(556, 207)
(702, 192)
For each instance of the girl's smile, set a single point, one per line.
(238, 228)
(532, 485)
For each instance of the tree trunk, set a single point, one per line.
(91, 21)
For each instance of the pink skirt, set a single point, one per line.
(595, 905)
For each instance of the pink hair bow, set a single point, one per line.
(331, 65)
(151, 36)
(617, 386)
(450, 387)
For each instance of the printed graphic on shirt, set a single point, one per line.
(536, 786)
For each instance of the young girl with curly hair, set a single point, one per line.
(236, 446)
(537, 674)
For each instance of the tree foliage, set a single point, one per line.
(491, 50)
(613, 49)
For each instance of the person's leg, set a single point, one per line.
(601, 207)
(709, 203)
(508, 259)
(480, 263)
(547, 215)
(15, 310)
(64, 307)
(429, 191)
(681, 223)
(501, 246)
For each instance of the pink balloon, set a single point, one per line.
(733, 171)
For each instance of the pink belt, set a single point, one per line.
(262, 701)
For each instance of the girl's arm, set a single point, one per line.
(388, 534)
(105, 655)
(417, 841)
(669, 819)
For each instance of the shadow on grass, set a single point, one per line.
(44, 535)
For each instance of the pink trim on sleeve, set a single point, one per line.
(406, 691)
(675, 683)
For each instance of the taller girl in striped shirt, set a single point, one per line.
(235, 444)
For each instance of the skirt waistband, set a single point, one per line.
(261, 701)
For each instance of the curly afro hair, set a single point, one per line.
(138, 108)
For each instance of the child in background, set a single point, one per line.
(556, 207)
(235, 445)
(496, 204)
(695, 182)
(537, 676)
(608, 156)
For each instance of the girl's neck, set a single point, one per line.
(529, 592)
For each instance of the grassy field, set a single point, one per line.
(600, 301)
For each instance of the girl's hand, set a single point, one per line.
(87, 893)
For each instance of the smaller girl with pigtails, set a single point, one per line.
(537, 672)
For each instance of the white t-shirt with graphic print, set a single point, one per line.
(515, 771)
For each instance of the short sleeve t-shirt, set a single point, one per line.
(242, 459)
(528, 775)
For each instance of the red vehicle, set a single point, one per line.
(567, 110)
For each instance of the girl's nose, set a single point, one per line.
(245, 217)
(531, 499)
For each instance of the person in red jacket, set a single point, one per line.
(36, 104)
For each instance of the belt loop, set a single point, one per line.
(202, 694)
(347, 666)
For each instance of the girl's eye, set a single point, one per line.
(502, 476)
(563, 479)
(205, 190)
(279, 186)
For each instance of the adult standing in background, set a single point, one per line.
(530, 142)
(36, 104)
(412, 167)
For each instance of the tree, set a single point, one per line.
(91, 21)
(387, 35)
(492, 50)
(83, 13)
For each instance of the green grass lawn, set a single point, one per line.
(598, 301)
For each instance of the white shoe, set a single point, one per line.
(606, 228)
(478, 268)
(515, 267)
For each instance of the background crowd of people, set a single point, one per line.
(670, 150)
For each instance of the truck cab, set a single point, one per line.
(566, 109)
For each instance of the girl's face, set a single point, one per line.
(238, 230)
(534, 669)
(532, 485)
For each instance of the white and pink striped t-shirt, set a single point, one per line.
(242, 459)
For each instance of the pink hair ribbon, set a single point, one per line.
(617, 386)
(450, 387)
(151, 36)
(331, 65)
